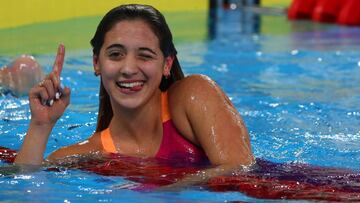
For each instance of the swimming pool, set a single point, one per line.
(297, 92)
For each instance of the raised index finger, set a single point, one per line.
(59, 61)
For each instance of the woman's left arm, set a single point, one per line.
(215, 124)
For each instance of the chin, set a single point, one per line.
(129, 102)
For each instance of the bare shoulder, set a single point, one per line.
(198, 88)
(189, 96)
(191, 84)
(206, 116)
(92, 144)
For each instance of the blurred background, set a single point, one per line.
(37, 26)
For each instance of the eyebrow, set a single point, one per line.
(120, 46)
(116, 46)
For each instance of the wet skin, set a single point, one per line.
(131, 65)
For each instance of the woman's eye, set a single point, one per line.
(114, 54)
(145, 56)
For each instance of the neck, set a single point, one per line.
(140, 124)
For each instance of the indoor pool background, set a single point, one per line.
(298, 93)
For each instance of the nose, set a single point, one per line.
(130, 66)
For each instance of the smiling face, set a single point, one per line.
(131, 63)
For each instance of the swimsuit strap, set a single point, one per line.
(106, 139)
(165, 113)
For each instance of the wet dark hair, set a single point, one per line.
(158, 25)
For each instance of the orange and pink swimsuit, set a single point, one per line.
(173, 145)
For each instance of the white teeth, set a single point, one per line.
(130, 85)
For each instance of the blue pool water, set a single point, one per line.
(298, 93)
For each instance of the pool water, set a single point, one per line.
(298, 93)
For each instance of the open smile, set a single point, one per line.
(130, 85)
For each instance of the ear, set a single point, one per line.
(168, 64)
(96, 65)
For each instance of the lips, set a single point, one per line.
(130, 85)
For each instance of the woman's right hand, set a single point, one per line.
(48, 100)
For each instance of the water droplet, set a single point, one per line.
(274, 105)
(294, 52)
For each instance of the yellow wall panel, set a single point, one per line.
(23, 12)
(275, 3)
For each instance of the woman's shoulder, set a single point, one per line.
(90, 145)
(188, 95)
(194, 87)
(194, 95)
(191, 84)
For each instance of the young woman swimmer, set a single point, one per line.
(147, 107)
